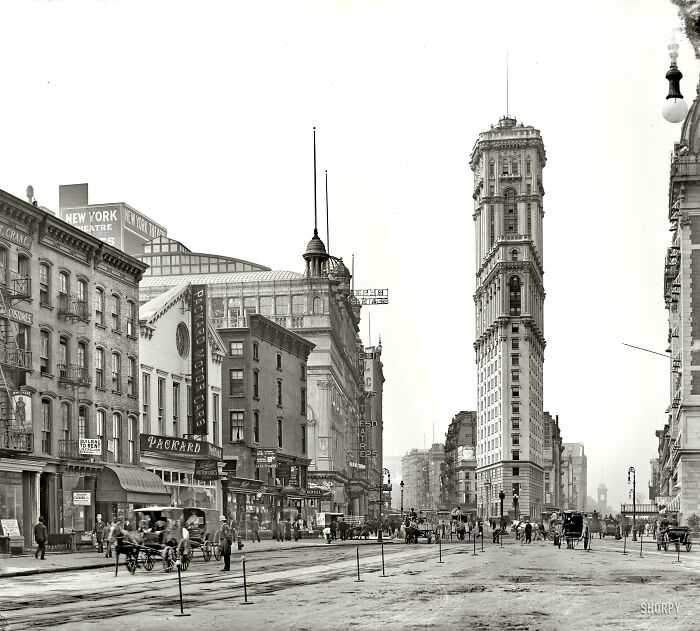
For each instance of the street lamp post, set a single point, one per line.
(515, 504)
(501, 496)
(381, 495)
(632, 472)
(401, 485)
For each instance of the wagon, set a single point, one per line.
(677, 535)
(162, 532)
(202, 531)
(573, 528)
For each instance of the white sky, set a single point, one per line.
(199, 114)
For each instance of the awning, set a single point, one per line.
(131, 485)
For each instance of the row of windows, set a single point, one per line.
(265, 305)
(508, 168)
(237, 429)
(236, 387)
(236, 349)
(116, 313)
(66, 436)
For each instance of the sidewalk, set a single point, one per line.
(67, 561)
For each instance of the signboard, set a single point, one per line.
(244, 484)
(370, 297)
(312, 492)
(22, 403)
(170, 444)
(20, 238)
(206, 470)
(293, 476)
(100, 220)
(134, 221)
(266, 458)
(325, 506)
(10, 528)
(82, 498)
(200, 383)
(16, 315)
(90, 446)
(283, 470)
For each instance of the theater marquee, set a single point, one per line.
(200, 398)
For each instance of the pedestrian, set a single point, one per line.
(225, 542)
(481, 530)
(528, 532)
(98, 533)
(334, 530)
(280, 530)
(106, 538)
(343, 529)
(295, 528)
(41, 534)
(255, 526)
(287, 530)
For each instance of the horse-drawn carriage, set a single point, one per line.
(573, 527)
(422, 527)
(677, 535)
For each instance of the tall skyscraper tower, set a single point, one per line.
(507, 162)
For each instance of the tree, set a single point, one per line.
(694, 521)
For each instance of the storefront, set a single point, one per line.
(246, 498)
(189, 469)
(121, 488)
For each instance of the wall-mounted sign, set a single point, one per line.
(282, 470)
(169, 444)
(22, 402)
(16, 315)
(206, 470)
(82, 498)
(90, 446)
(20, 238)
(370, 297)
(266, 458)
(10, 528)
(200, 383)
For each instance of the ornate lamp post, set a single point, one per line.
(632, 472)
(401, 485)
(501, 496)
(385, 472)
(515, 504)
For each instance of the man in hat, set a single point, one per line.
(40, 536)
(225, 541)
(98, 532)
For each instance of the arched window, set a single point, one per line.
(99, 368)
(131, 377)
(44, 284)
(44, 352)
(3, 266)
(82, 357)
(100, 428)
(527, 167)
(82, 290)
(510, 213)
(82, 422)
(132, 429)
(492, 169)
(514, 255)
(515, 167)
(298, 304)
(63, 283)
(514, 296)
(318, 305)
(63, 359)
(46, 426)
(65, 426)
(131, 319)
(23, 266)
(116, 435)
(99, 305)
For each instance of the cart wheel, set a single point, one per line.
(168, 559)
(217, 549)
(184, 562)
(688, 546)
(206, 550)
(148, 563)
(131, 563)
(665, 546)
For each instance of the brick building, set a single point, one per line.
(459, 486)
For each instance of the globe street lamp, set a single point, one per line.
(401, 485)
(632, 472)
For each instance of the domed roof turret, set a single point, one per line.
(315, 247)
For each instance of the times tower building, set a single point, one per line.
(507, 162)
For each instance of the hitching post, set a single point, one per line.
(440, 546)
(245, 584)
(358, 580)
(383, 575)
(179, 584)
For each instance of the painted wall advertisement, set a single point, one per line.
(199, 361)
(22, 402)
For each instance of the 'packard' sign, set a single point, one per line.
(169, 444)
(200, 384)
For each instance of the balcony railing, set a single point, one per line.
(15, 357)
(15, 286)
(74, 375)
(70, 449)
(73, 307)
(16, 441)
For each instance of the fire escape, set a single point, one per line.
(74, 376)
(16, 436)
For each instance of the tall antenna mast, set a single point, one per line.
(352, 288)
(507, 90)
(328, 236)
(315, 211)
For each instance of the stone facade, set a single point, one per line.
(507, 162)
(459, 486)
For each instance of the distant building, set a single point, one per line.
(553, 451)
(374, 431)
(116, 224)
(459, 485)
(575, 476)
(422, 469)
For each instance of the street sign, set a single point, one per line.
(266, 458)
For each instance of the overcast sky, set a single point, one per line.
(200, 115)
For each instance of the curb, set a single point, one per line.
(97, 566)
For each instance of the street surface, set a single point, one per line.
(514, 587)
